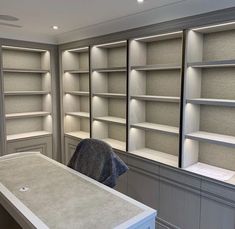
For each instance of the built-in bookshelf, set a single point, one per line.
(209, 128)
(109, 83)
(155, 87)
(76, 91)
(27, 93)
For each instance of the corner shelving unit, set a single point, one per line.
(109, 83)
(209, 123)
(27, 98)
(155, 87)
(76, 92)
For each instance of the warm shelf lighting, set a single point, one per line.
(112, 43)
(77, 49)
(159, 35)
(214, 26)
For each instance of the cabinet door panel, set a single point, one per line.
(42, 145)
(178, 206)
(143, 187)
(215, 215)
(70, 146)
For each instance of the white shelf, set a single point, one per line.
(156, 98)
(78, 134)
(27, 114)
(22, 136)
(81, 93)
(110, 95)
(104, 70)
(154, 155)
(81, 71)
(78, 114)
(15, 93)
(212, 64)
(211, 171)
(119, 145)
(225, 140)
(215, 102)
(156, 127)
(156, 67)
(111, 119)
(39, 71)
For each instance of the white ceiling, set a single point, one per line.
(85, 18)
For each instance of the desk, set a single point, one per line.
(39, 192)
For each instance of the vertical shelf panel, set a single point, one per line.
(109, 83)
(209, 104)
(155, 87)
(28, 99)
(75, 81)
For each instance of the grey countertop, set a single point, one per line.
(62, 198)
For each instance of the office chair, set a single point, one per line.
(96, 159)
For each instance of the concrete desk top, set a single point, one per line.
(42, 193)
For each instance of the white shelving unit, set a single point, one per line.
(155, 86)
(109, 83)
(27, 95)
(75, 80)
(209, 128)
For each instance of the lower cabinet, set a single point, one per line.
(216, 215)
(70, 147)
(142, 184)
(179, 199)
(40, 144)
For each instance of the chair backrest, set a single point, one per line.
(96, 159)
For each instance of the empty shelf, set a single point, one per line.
(119, 145)
(156, 67)
(78, 134)
(85, 71)
(111, 119)
(110, 95)
(78, 114)
(212, 64)
(115, 69)
(34, 134)
(15, 93)
(81, 93)
(39, 71)
(27, 114)
(211, 171)
(156, 127)
(215, 102)
(156, 98)
(154, 155)
(225, 140)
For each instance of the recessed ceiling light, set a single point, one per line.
(55, 27)
(140, 1)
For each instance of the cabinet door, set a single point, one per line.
(215, 215)
(42, 145)
(179, 199)
(70, 147)
(143, 185)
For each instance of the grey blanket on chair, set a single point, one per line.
(97, 160)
